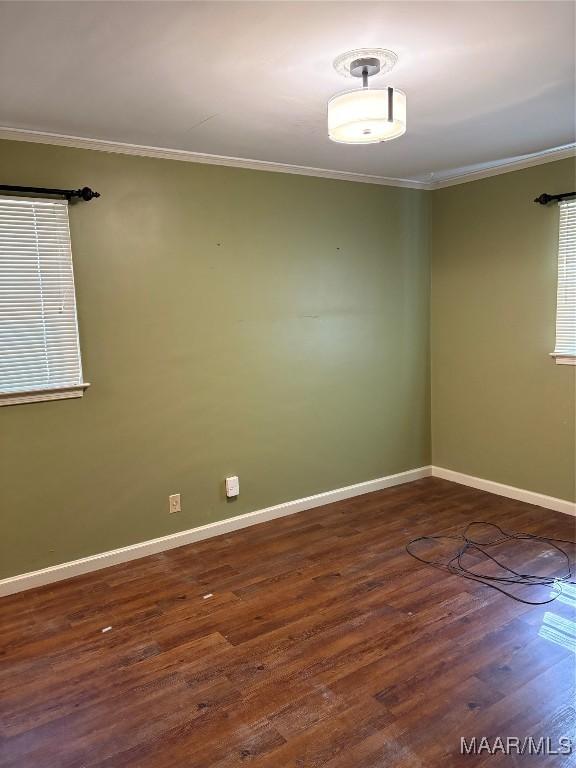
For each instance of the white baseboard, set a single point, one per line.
(519, 494)
(33, 579)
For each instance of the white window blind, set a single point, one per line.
(565, 350)
(39, 348)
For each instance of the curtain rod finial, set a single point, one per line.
(85, 193)
(543, 199)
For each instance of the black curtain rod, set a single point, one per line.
(545, 198)
(84, 193)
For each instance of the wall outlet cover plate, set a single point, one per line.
(232, 487)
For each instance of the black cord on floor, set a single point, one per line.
(468, 545)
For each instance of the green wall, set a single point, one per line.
(501, 408)
(232, 322)
(277, 327)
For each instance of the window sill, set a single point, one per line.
(41, 395)
(563, 359)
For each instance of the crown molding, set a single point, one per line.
(485, 170)
(102, 145)
(435, 181)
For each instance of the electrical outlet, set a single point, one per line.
(232, 487)
(174, 502)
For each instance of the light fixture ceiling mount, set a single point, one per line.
(365, 115)
(386, 60)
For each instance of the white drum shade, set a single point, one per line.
(361, 116)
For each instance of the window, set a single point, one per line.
(565, 350)
(39, 348)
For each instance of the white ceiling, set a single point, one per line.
(484, 80)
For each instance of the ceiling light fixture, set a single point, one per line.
(366, 115)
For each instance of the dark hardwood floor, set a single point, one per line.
(306, 642)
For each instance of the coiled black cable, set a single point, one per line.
(471, 545)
